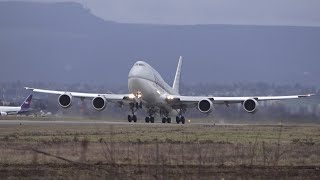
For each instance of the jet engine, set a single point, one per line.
(65, 100)
(99, 103)
(205, 106)
(3, 114)
(250, 105)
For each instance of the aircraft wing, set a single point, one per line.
(176, 100)
(109, 97)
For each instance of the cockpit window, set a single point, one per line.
(139, 64)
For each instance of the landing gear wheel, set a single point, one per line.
(147, 119)
(178, 120)
(168, 120)
(164, 120)
(183, 120)
(129, 118)
(134, 118)
(152, 119)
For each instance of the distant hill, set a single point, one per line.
(64, 42)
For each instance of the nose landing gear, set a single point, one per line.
(180, 119)
(132, 118)
(166, 120)
(165, 116)
(150, 118)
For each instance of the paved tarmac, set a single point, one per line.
(87, 122)
(94, 122)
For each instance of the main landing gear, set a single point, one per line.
(134, 107)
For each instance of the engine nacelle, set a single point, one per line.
(3, 113)
(65, 100)
(205, 106)
(250, 105)
(99, 103)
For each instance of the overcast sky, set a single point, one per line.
(248, 12)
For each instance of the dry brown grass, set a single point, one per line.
(159, 151)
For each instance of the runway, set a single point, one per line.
(73, 122)
(100, 122)
(90, 122)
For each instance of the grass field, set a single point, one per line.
(146, 151)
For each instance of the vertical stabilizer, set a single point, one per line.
(27, 102)
(176, 82)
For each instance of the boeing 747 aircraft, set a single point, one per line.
(147, 90)
(9, 110)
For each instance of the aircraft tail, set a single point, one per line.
(27, 102)
(176, 82)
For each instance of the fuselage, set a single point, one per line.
(8, 109)
(5, 110)
(145, 80)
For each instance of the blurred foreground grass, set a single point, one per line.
(145, 151)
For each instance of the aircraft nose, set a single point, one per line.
(137, 69)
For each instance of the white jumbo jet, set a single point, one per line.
(10, 110)
(149, 91)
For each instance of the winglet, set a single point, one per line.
(306, 95)
(176, 82)
(27, 88)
